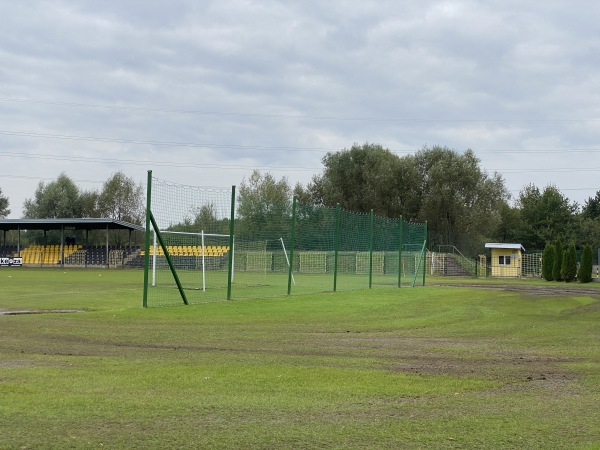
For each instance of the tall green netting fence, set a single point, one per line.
(188, 231)
(205, 245)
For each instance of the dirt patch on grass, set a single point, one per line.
(17, 312)
(552, 290)
(501, 365)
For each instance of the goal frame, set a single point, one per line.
(202, 235)
(152, 226)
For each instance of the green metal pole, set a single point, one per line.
(336, 246)
(292, 245)
(147, 240)
(231, 242)
(401, 226)
(169, 260)
(372, 233)
(425, 255)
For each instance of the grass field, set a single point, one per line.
(425, 367)
(252, 285)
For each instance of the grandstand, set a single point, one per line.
(69, 253)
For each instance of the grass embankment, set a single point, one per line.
(428, 367)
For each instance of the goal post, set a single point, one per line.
(197, 252)
(189, 244)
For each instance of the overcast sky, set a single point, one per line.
(203, 92)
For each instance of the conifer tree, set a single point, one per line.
(558, 256)
(585, 268)
(568, 270)
(548, 261)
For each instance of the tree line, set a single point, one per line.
(464, 206)
(119, 198)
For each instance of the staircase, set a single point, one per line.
(451, 263)
(452, 267)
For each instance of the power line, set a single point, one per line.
(289, 116)
(160, 143)
(138, 162)
(29, 134)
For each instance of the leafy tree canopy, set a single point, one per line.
(121, 199)
(546, 215)
(591, 209)
(57, 199)
(204, 219)
(460, 202)
(4, 203)
(367, 177)
(449, 190)
(263, 205)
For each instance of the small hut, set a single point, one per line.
(506, 260)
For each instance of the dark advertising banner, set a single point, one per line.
(11, 262)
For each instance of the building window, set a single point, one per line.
(504, 260)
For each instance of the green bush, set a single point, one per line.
(568, 269)
(548, 261)
(558, 257)
(585, 268)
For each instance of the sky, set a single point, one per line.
(204, 92)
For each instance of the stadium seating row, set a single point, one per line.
(46, 254)
(118, 256)
(191, 250)
(74, 255)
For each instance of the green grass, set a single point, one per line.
(427, 367)
(212, 286)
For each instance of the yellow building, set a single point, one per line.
(506, 260)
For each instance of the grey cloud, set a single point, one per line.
(491, 76)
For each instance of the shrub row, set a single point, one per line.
(560, 263)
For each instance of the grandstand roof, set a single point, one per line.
(57, 224)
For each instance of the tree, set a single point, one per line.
(558, 257)
(4, 203)
(368, 177)
(584, 274)
(510, 228)
(545, 215)
(588, 232)
(204, 219)
(263, 206)
(57, 199)
(548, 261)
(568, 270)
(122, 199)
(459, 201)
(89, 203)
(591, 209)
(303, 195)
